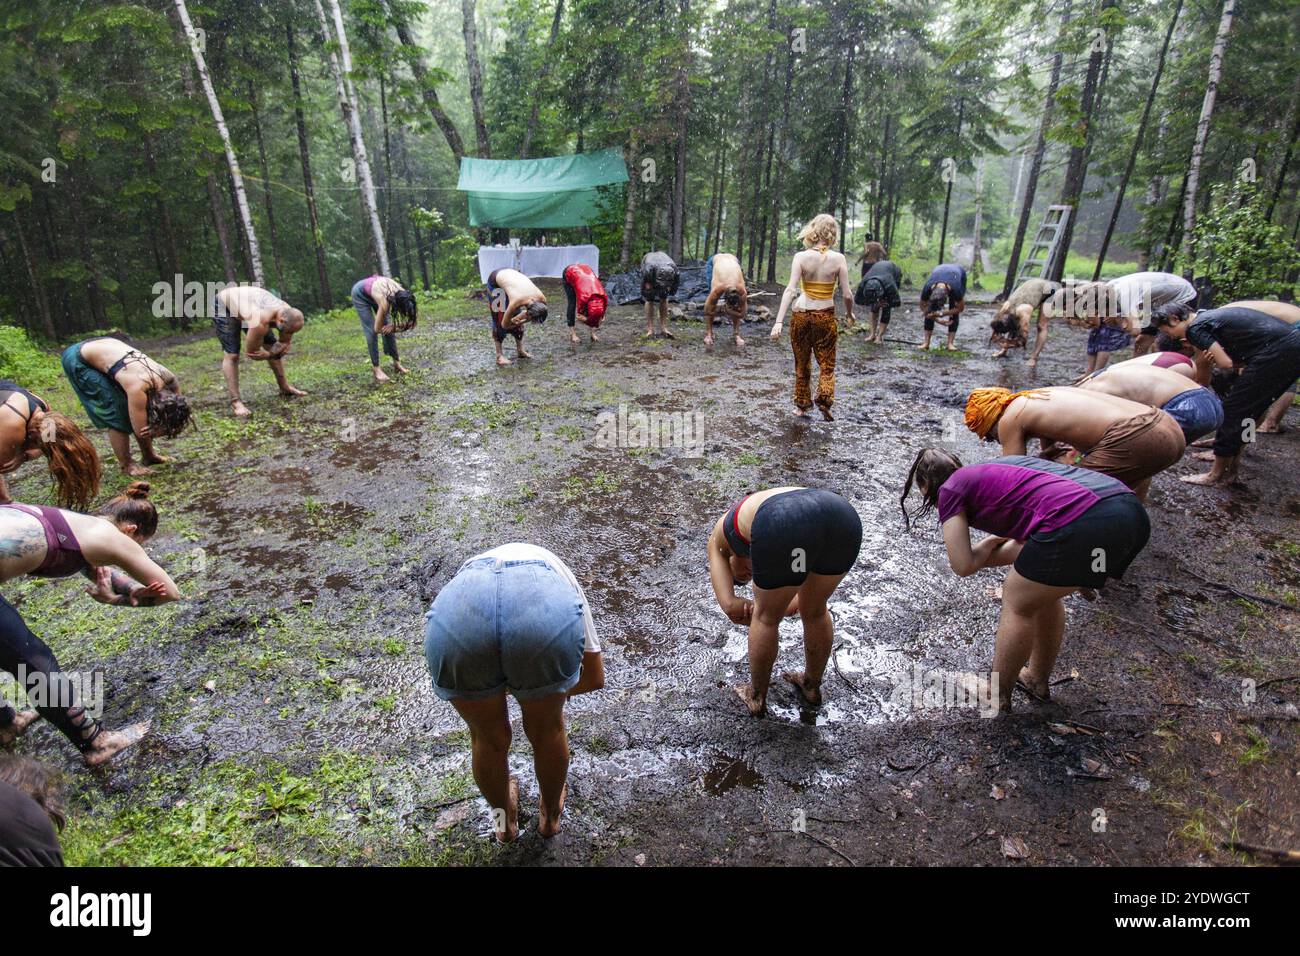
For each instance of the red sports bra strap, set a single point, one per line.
(735, 518)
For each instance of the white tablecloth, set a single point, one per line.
(550, 261)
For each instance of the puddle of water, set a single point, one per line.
(727, 772)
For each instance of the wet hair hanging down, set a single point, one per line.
(931, 468)
(169, 413)
(73, 462)
(403, 303)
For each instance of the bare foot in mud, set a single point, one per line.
(239, 409)
(17, 727)
(739, 341)
(546, 826)
(522, 354)
(666, 334)
(1038, 690)
(1204, 456)
(290, 391)
(135, 470)
(826, 413)
(1203, 443)
(510, 831)
(757, 708)
(648, 334)
(594, 336)
(801, 412)
(708, 340)
(400, 369)
(809, 695)
(380, 376)
(502, 360)
(112, 742)
(1210, 479)
(155, 459)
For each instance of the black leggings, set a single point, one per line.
(1265, 378)
(572, 295)
(19, 647)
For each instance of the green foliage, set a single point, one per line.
(1243, 254)
(22, 362)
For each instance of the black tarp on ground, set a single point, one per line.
(624, 288)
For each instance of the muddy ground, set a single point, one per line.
(293, 720)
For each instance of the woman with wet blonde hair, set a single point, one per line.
(814, 275)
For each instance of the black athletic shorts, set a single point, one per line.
(1101, 543)
(228, 333)
(954, 322)
(802, 531)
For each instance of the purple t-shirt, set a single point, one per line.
(368, 283)
(1016, 495)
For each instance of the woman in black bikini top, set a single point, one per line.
(28, 429)
(796, 545)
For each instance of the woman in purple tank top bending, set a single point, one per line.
(1064, 530)
(50, 542)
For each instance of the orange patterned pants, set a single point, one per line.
(814, 333)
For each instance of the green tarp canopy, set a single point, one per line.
(547, 193)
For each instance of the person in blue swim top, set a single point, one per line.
(514, 620)
(1196, 409)
(943, 300)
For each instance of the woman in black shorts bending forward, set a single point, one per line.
(796, 545)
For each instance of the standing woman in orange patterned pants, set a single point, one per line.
(818, 270)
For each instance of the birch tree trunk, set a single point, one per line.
(1203, 126)
(245, 213)
(347, 104)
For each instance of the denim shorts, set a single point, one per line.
(1197, 411)
(1107, 338)
(504, 625)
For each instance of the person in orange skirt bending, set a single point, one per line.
(814, 274)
